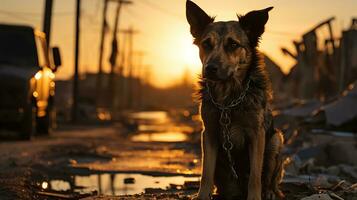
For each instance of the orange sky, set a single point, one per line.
(164, 33)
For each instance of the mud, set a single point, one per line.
(105, 162)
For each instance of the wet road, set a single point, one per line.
(106, 159)
(155, 156)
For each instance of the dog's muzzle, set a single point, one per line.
(215, 73)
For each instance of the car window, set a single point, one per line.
(17, 47)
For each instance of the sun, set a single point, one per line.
(190, 53)
(176, 56)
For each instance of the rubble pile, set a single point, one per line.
(320, 148)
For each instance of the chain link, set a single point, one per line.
(225, 122)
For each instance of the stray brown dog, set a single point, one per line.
(241, 149)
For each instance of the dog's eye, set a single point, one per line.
(207, 45)
(232, 45)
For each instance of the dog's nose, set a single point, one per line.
(211, 68)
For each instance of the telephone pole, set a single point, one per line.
(139, 55)
(101, 49)
(114, 55)
(47, 20)
(130, 33)
(76, 56)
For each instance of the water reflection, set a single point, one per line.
(154, 117)
(117, 184)
(160, 137)
(158, 126)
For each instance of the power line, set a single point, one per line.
(34, 14)
(171, 14)
(282, 33)
(19, 17)
(133, 14)
(161, 9)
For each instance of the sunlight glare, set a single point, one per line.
(190, 53)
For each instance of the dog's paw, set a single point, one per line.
(270, 195)
(254, 197)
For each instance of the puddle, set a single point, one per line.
(151, 127)
(158, 126)
(116, 184)
(150, 117)
(160, 137)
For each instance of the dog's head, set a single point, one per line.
(226, 48)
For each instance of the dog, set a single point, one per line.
(241, 151)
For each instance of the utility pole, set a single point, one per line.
(113, 56)
(138, 73)
(76, 56)
(139, 55)
(101, 50)
(47, 20)
(146, 75)
(121, 92)
(145, 81)
(130, 33)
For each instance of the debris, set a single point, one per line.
(175, 187)
(338, 186)
(154, 190)
(310, 152)
(306, 109)
(129, 180)
(354, 186)
(292, 165)
(318, 197)
(344, 109)
(334, 133)
(66, 196)
(72, 161)
(335, 196)
(349, 170)
(191, 185)
(322, 182)
(340, 152)
(305, 179)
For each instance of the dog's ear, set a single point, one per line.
(197, 18)
(253, 23)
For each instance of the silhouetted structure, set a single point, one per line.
(47, 20)
(348, 60)
(76, 63)
(325, 71)
(277, 76)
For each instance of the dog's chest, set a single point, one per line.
(243, 123)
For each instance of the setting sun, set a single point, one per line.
(185, 56)
(190, 52)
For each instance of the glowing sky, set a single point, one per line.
(164, 33)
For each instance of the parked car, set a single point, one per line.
(27, 86)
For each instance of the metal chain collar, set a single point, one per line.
(225, 122)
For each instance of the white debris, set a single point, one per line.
(318, 197)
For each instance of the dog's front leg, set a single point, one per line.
(209, 156)
(256, 157)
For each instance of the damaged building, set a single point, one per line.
(324, 68)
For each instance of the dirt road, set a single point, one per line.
(80, 160)
(108, 162)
